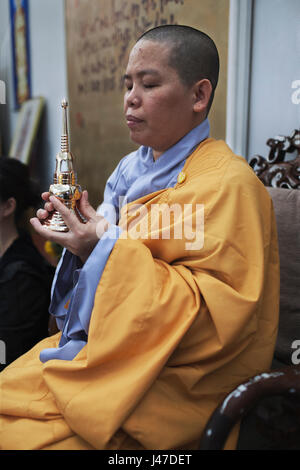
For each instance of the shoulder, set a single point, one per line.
(213, 159)
(124, 165)
(214, 171)
(23, 260)
(21, 269)
(128, 160)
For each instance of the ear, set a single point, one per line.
(9, 207)
(202, 94)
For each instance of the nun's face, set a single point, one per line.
(158, 106)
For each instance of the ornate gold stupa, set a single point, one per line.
(64, 186)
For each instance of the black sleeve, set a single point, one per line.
(24, 303)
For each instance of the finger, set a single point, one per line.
(42, 214)
(85, 208)
(45, 196)
(45, 232)
(49, 207)
(68, 216)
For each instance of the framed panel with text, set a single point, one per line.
(20, 50)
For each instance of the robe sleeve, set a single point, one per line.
(73, 299)
(74, 284)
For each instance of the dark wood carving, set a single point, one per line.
(271, 400)
(273, 170)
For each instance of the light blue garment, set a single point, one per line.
(136, 175)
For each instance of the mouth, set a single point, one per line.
(133, 121)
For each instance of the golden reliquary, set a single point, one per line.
(64, 186)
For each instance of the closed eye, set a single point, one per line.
(128, 85)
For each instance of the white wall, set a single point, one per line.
(238, 75)
(48, 74)
(275, 66)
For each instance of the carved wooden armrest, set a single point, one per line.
(273, 170)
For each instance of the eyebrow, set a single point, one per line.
(141, 73)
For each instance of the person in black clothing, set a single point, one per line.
(25, 276)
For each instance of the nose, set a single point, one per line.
(132, 98)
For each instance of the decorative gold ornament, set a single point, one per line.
(64, 186)
(181, 177)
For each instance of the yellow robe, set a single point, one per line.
(172, 330)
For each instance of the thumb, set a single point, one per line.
(84, 206)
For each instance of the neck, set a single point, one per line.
(200, 120)
(8, 234)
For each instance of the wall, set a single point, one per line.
(48, 75)
(275, 66)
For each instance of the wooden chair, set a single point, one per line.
(273, 171)
(268, 404)
(269, 407)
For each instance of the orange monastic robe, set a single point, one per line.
(173, 330)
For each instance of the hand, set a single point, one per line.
(81, 238)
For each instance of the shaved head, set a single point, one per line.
(193, 54)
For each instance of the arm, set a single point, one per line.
(24, 303)
(77, 276)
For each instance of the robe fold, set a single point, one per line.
(177, 322)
